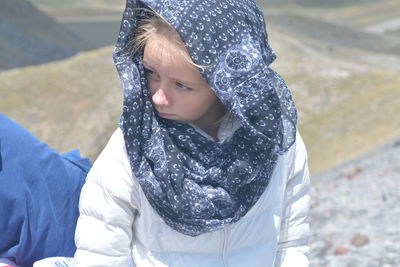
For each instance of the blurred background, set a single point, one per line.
(341, 59)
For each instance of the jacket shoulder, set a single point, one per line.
(112, 170)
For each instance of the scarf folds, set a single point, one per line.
(195, 184)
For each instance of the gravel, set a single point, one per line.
(355, 211)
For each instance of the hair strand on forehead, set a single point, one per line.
(154, 24)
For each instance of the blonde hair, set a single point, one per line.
(156, 24)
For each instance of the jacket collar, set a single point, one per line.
(225, 131)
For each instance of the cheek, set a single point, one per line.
(201, 104)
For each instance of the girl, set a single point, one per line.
(207, 167)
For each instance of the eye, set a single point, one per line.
(150, 74)
(182, 86)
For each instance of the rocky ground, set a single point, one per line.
(355, 212)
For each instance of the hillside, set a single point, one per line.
(380, 16)
(345, 88)
(356, 14)
(345, 81)
(61, 9)
(333, 34)
(29, 37)
(321, 3)
(345, 107)
(70, 104)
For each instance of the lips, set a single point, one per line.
(164, 115)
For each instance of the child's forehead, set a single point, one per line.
(160, 47)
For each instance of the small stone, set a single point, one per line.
(354, 173)
(340, 250)
(360, 240)
(397, 143)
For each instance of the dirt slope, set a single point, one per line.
(29, 37)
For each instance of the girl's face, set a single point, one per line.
(178, 90)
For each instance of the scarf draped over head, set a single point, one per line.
(195, 184)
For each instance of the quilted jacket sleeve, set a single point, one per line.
(293, 247)
(107, 206)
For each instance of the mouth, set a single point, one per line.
(164, 115)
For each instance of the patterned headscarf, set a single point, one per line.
(195, 184)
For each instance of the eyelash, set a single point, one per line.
(150, 72)
(182, 86)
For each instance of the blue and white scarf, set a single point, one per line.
(195, 184)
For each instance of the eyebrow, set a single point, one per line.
(148, 66)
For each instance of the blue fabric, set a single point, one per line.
(39, 194)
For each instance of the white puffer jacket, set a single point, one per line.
(118, 227)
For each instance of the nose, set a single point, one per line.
(160, 98)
